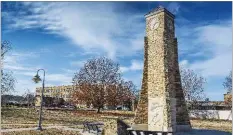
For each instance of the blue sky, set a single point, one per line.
(60, 36)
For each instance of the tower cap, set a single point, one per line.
(158, 10)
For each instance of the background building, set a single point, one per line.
(53, 94)
(64, 92)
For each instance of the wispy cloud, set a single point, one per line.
(173, 7)
(15, 61)
(103, 29)
(88, 25)
(77, 64)
(69, 71)
(183, 63)
(135, 65)
(214, 49)
(64, 78)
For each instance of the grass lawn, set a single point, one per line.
(51, 131)
(75, 118)
(21, 126)
(30, 116)
(213, 124)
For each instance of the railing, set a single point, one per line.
(122, 127)
(141, 132)
(125, 129)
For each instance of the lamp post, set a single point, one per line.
(36, 79)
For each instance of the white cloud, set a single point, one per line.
(24, 72)
(88, 25)
(219, 65)
(15, 61)
(61, 78)
(98, 28)
(64, 78)
(135, 65)
(69, 71)
(215, 41)
(124, 69)
(26, 83)
(23, 84)
(183, 63)
(18, 67)
(173, 7)
(216, 36)
(79, 63)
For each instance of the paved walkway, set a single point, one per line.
(17, 129)
(58, 127)
(203, 132)
(31, 124)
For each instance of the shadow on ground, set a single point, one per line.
(204, 132)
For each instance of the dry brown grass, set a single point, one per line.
(44, 132)
(77, 117)
(12, 126)
(104, 113)
(212, 124)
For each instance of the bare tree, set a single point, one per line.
(29, 97)
(129, 94)
(5, 47)
(193, 86)
(228, 86)
(228, 82)
(121, 94)
(228, 100)
(7, 79)
(99, 83)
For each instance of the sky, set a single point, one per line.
(60, 36)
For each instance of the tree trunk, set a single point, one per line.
(28, 101)
(98, 111)
(133, 105)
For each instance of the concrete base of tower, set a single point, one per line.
(147, 127)
(181, 128)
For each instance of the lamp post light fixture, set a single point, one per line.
(37, 79)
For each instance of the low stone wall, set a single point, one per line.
(116, 125)
(212, 114)
(110, 127)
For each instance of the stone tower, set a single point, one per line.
(161, 104)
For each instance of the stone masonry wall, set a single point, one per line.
(182, 116)
(161, 76)
(110, 127)
(169, 74)
(141, 116)
(158, 71)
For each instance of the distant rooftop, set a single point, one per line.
(158, 10)
(55, 86)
